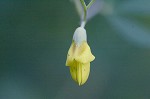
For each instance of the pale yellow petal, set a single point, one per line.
(80, 53)
(73, 71)
(84, 54)
(80, 72)
(85, 72)
(70, 55)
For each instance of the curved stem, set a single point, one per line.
(85, 8)
(89, 5)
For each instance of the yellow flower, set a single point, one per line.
(79, 57)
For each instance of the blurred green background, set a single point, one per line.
(35, 37)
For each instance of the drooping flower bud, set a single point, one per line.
(79, 57)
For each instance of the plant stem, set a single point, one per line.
(89, 5)
(85, 8)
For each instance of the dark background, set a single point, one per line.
(35, 37)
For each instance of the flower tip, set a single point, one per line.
(79, 84)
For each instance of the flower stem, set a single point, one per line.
(83, 24)
(89, 5)
(85, 8)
